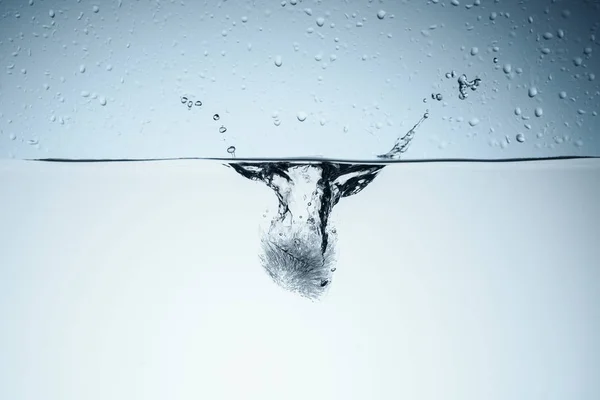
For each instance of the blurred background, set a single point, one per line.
(341, 79)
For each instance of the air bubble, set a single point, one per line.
(216, 117)
(301, 116)
(222, 129)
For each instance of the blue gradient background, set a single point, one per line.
(142, 56)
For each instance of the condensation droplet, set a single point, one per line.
(278, 61)
(532, 92)
(301, 116)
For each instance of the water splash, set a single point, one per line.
(298, 248)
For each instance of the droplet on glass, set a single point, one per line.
(231, 149)
(189, 104)
(520, 137)
(198, 103)
(301, 116)
(539, 111)
(381, 14)
(95, 9)
(532, 92)
(102, 100)
(184, 99)
(216, 117)
(222, 129)
(562, 94)
(278, 61)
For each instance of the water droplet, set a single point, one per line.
(577, 61)
(507, 68)
(51, 13)
(333, 269)
(216, 117)
(495, 60)
(587, 51)
(231, 149)
(301, 116)
(198, 103)
(518, 111)
(324, 282)
(474, 121)
(455, 2)
(95, 9)
(474, 51)
(277, 122)
(548, 35)
(12, 136)
(562, 95)
(85, 93)
(32, 141)
(520, 137)
(102, 100)
(109, 67)
(560, 33)
(539, 111)
(320, 21)
(189, 104)
(184, 99)
(222, 129)
(381, 14)
(532, 92)
(82, 68)
(439, 97)
(278, 61)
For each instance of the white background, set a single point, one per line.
(454, 281)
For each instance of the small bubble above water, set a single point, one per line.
(231, 150)
(520, 137)
(381, 14)
(301, 116)
(222, 129)
(216, 117)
